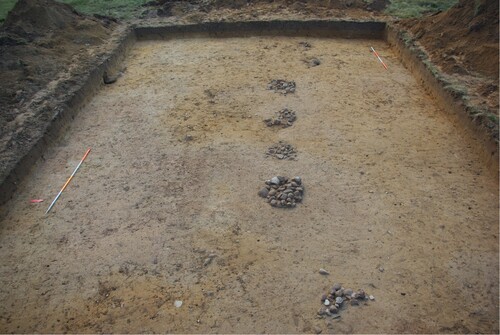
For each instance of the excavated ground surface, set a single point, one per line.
(397, 201)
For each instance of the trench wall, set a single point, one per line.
(85, 89)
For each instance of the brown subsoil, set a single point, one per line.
(397, 201)
(463, 43)
(43, 44)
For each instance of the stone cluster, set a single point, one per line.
(312, 62)
(281, 86)
(305, 45)
(282, 150)
(283, 192)
(284, 118)
(338, 297)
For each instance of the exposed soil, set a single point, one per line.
(44, 45)
(166, 206)
(397, 201)
(463, 42)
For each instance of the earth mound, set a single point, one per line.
(39, 39)
(463, 38)
(180, 7)
(463, 42)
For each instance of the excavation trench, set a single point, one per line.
(166, 208)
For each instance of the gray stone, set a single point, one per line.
(354, 302)
(322, 310)
(323, 272)
(263, 192)
(339, 300)
(336, 287)
(361, 294)
(275, 180)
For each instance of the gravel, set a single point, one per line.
(312, 62)
(281, 86)
(283, 192)
(282, 150)
(305, 45)
(284, 118)
(340, 298)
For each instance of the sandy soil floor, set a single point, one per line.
(396, 201)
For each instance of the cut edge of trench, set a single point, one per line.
(410, 54)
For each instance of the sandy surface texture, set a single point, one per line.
(166, 208)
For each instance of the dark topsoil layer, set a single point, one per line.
(45, 44)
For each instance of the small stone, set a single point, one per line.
(322, 311)
(333, 310)
(273, 202)
(381, 269)
(263, 192)
(348, 292)
(323, 297)
(318, 330)
(354, 302)
(371, 297)
(326, 302)
(178, 303)
(336, 287)
(361, 294)
(298, 180)
(272, 192)
(339, 300)
(275, 180)
(324, 272)
(339, 293)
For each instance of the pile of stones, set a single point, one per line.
(281, 86)
(312, 62)
(305, 45)
(283, 192)
(282, 150)
(285, 118)
(339, 297)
